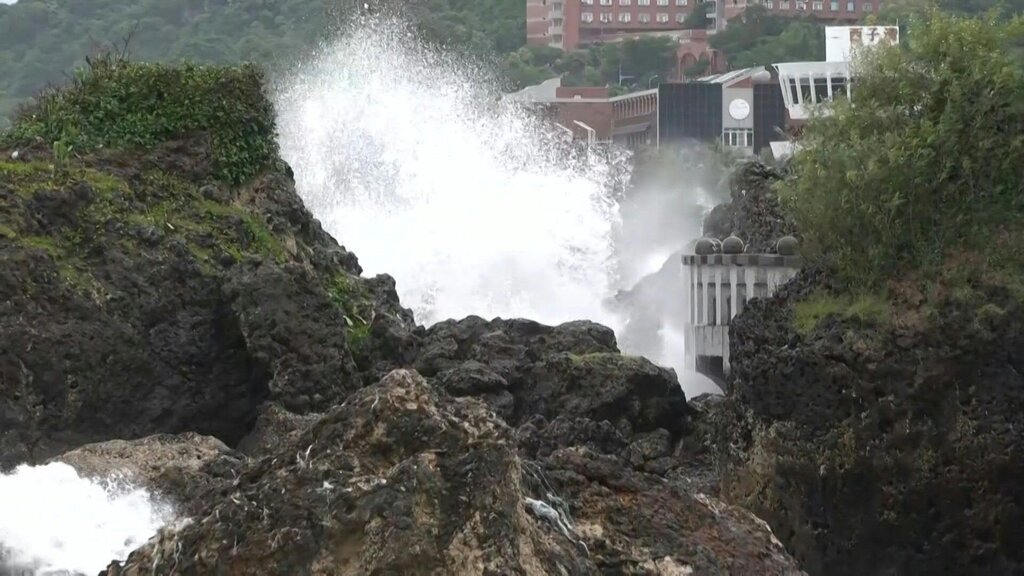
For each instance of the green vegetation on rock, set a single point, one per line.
(868, 308)
(113, 103)
(924, 165)
(355, 301)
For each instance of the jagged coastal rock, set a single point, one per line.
(881, 449)
(172, 311)
(192, 303)
(874, 436)
(403, 478)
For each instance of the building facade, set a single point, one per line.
(744, 110)
(568, 24)
(592, 114)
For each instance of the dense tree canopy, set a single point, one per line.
(757, 38)
(925, 163)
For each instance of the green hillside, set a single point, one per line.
(43, 41)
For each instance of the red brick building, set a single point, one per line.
(630, 120)
(568, 24)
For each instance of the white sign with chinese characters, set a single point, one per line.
(842, 41)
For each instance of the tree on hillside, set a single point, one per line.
(757, 38)
(893, 11)
(925, 163)
(631, 64)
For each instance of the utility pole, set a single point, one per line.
(621, 77)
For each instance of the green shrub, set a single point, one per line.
(113, 103)
(926, 161)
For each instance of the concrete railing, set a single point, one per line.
(802, 84)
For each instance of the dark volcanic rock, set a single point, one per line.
(176, 468)
(274, 428)
(402, 479)
(882, 450)
(636, 523)
(138, 297)
(536, 374)
(754, 213)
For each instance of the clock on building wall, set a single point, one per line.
(739, 109)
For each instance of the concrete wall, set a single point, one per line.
(597, 115)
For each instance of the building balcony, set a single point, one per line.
(805, 84)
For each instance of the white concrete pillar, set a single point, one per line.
(725, 353)
(688, 278)
(705, 309)
(719, 293)
(749, 280)
(734, 289)
(698, 301)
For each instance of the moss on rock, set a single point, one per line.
(868, 308)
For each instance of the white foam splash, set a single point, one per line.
(473, 206)
(52, 521)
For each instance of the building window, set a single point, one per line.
(680, 17)
(662, 2)
(769, 4)
(587, 16)
(835, 6)
(850, 7)
(625, 2)
(738, 137)
(605, 17)
(606, 2)
(662, 17)
(783, 4)
(643, 2)
(818, 5)
(868, 7)
(625, 17)
(644, 17)
(681, 2)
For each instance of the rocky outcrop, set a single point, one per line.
(538, 375)
(402, 478)
(882, 448)
(173, 311)
(754, 213)
(139, 296)
(179, 469)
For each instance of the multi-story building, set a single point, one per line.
(567, 24)
(744, 110)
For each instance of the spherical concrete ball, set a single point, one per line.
(732, 245)
(787, 246)
(705, 246)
